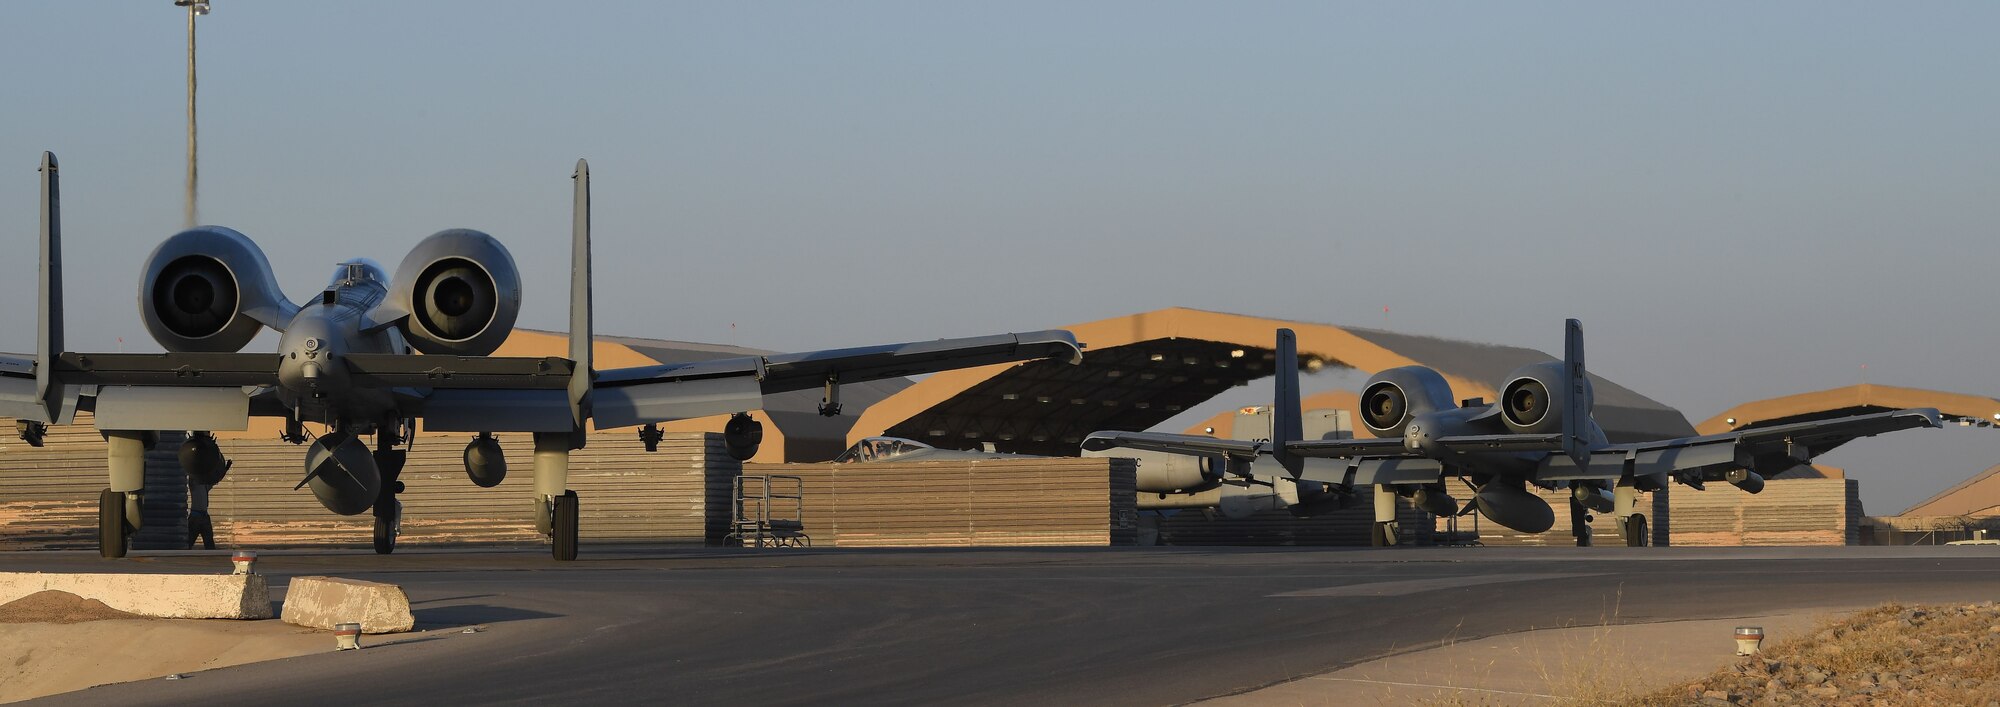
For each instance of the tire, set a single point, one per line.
(111, 529)
(565, 522)
(1636, 532)
(1382, 534)
(385, 529)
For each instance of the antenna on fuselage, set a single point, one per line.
(580, 338)
(1576, 384)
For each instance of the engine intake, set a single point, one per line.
(461, 291)
(209, 289)
(1534, 401)
(1394, 396)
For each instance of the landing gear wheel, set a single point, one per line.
(1383, 534)
(389, 511)
(200, 527)
(388, 523)
(564, 522)
(111, 528)
(1636, 533)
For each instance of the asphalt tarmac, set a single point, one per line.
(1114, 626)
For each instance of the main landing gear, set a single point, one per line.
(120, 508)
(1634, 529)
(1631, 523)
(556, 507)
(1383, 532)
(113, 531)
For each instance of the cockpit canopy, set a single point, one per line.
(358, 269)
(875, 449)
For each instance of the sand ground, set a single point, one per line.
(1548, 666)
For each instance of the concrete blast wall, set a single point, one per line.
(966, 503)
(1789, 512)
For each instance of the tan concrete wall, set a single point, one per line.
(167, 596)
(1788, 512)
(966, 503)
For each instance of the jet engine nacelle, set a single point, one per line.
(485, 463)
(202, 459)
(741, 436)
(1534, 401)
(1394, 396)
(343, 473)
(200, 289)
(1512, 505)
(462, 293)
(1160, 472)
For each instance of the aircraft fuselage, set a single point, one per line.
(312, 380)
(1424, 429)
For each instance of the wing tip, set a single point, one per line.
(1062, 340)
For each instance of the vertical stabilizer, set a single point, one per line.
(49, 332)
(580, 336)
(1576, 384)
(1287, 421)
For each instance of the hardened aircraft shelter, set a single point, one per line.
(1139, 370)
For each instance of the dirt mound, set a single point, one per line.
(57, 607)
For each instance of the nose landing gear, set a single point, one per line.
(388, 510)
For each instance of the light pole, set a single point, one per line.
(195, 8)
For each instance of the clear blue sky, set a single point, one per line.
(1739, 200)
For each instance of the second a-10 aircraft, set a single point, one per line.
(348, 359)
(1540, 432)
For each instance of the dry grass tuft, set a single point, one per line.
(1892, 655)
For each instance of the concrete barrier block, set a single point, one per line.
(322, 602)
(166, 596)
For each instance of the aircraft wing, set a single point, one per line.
(1192, 445)
(17, 388)
(1766, 450)
(632, 396)
(179, 370)
(1344, 448)
(1397, 447)
(1823, 436)
(1467, 444)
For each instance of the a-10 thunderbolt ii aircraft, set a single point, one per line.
(1541, 432)
(347, 359)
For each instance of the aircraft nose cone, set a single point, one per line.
(307, 355)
